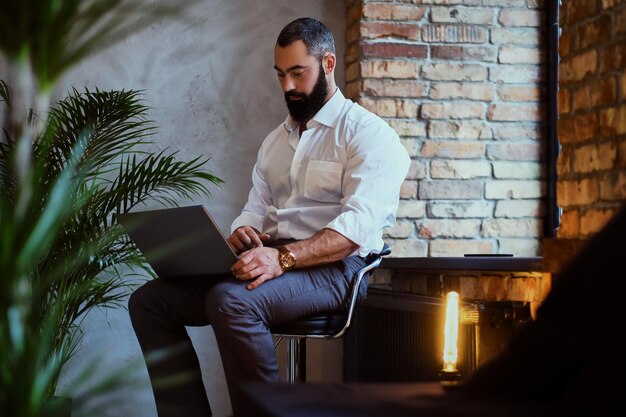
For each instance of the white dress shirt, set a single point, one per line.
(343, 173)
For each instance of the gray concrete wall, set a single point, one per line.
(213, 91)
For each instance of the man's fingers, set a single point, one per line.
(256, 264)
(239, 247)
(245, 274)
(246, 237)
(256, 240)
(250, 238)
(236, 242)
(257, 282)
(245, 257)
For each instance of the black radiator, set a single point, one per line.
(398, 337)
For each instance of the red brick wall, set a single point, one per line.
(592, 114)
(461, 81)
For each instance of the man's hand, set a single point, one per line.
(260, 264)
(246, 237)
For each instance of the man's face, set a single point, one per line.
(302, 79)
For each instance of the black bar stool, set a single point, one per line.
(331, 325)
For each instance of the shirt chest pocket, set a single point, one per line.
(323, 181)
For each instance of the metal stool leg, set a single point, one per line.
(296, 360)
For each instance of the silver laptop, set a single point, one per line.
(180, 241)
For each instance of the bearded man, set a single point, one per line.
(326, 184)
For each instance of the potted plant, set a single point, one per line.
(65, 170)
(103, 137)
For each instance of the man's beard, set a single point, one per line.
(305, 108)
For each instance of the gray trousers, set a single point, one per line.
(161, 308)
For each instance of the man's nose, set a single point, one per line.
(288, 84)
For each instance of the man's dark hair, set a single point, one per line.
(316, 36)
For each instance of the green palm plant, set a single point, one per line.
(29, 364)
(85, 263)
(63, 173)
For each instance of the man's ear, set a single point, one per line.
(329, 62)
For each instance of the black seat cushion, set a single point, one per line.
(323, 324)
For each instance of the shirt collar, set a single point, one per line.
(327, 115)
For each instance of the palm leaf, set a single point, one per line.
(7, 179)
(5, 92)
(115, 121)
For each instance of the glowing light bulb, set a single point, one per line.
(451, 332)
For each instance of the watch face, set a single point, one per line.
(286, 259)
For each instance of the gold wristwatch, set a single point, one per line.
(286, 258)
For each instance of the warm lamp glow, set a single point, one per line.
(451, 332)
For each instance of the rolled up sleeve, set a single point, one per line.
(259, 200)
(376, 168)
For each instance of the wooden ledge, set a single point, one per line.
(463, 263)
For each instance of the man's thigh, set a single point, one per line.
(294, 294)
(179, 299)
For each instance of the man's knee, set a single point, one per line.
(228, 298)
(142, 299)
